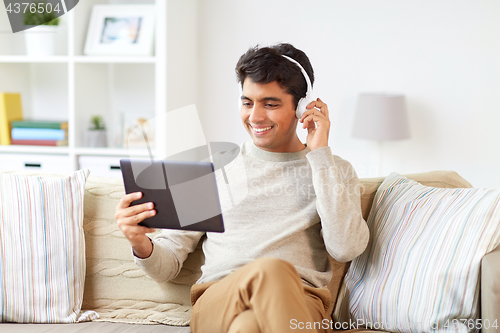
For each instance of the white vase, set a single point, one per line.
(41, 40)
(96, 138)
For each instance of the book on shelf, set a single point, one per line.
(39, 134)
(39, 142)
(33, 123)
(10, 109)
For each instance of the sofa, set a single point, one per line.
(129, 301)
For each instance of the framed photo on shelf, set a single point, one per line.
(121, 30)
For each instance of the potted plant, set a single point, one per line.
(41, 38)
(96, 136)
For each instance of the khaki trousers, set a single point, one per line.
(264, 296)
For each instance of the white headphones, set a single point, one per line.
(304, 101)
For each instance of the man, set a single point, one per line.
(269, 270)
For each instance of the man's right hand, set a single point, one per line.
(128, 217)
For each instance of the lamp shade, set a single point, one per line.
(381, 116)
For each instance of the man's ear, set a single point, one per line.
(296, 120)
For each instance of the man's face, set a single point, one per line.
(268, 114)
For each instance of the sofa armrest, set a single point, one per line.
(490, 291)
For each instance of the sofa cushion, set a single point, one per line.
(116, 288)
(421, 267)
(441, 179)
(42, 250)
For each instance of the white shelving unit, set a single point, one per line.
(71, 86)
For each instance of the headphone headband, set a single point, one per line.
(303, 102)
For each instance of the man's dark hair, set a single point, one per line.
(266, 64)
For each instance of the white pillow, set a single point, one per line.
(42, 248)
(420, 271)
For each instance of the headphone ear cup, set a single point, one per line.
(301, 108)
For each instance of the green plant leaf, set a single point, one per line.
(37, 18)
(97, 123)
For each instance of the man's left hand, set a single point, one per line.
(316, 120)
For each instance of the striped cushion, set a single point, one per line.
(420, 271)
(42, 249)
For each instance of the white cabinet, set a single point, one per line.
(74, 87)
(101, 166)
(35, 162)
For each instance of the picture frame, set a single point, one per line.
(121, 30)
(134, 125)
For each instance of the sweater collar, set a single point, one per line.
(275, 157)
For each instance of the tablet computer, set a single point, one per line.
(184, 194)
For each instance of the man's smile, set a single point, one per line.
(260, 130)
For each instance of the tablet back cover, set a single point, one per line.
(184, 193)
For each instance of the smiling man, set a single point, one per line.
(269, 270)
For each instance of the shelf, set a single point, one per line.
(78, 151)
(32, 59)
(74, 87)
(114, 59)
(113, 152)
(34, 149)
(77, 59)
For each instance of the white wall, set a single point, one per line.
(182, 53)
(444, 55)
